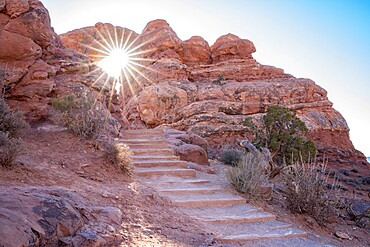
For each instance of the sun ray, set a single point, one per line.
(134, 77)
(139, 46)
(129, 83)
(110, 36)
(105, 40)
(140, 73)
(98, 79)
(127, 48)
(97, 41)
(103, 87)
(116, 37)
(126, 42)
(121, 63)
(121, 41)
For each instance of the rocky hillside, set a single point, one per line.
(209, 90)
(187, 85)
(35, 67)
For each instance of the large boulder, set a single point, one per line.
(53, 217)
(196, 51)
(188, 147)
(230, 46)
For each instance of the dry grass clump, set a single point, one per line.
(248, 174)
(82, 115)
(307, 192)
(231, 156)
(120, 155)
(10, 148)
(12, 126)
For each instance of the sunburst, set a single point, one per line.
(119, 60)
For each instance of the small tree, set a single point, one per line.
(283, 133)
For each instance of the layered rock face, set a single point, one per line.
(37, 216)
(35, 67)
(187, 85)
(210, 90)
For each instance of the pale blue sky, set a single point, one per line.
(324, 40)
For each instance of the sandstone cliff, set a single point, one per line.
(187, 85)
(209, 90)
(35, 67)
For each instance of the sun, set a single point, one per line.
(120, 60)
(114, 64)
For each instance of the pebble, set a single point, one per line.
(342, 235)
(105, 195)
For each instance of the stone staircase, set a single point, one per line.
(206, 197)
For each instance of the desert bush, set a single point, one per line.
(11, 123)
(307, 191)
(248, 175)
(81, 115)
(12, 126)
(120, 155)
(10, 148)
(231, 156)
(283, 133)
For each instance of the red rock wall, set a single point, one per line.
(187, 85)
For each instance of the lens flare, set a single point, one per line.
(114, 63)
(120, 60)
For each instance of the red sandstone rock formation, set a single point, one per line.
(34, 65)
(210, 90)
(187, 85)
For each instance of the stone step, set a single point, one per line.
(243, 232)
(160, 163)
(173, 181)
(143, 131)
(247, 218)
(163, 151)
(278, 234)
(155, 157)
(142, 141)
(143, 137)
(237, 210)
(148, 145)
(199, 190)
(211, 200)
(287, 242)
(162, 171)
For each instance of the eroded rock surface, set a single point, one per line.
(35, 216)
(188, 85)
(35, 67)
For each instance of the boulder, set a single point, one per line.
(196, 51)
(188, 147)
(230, 46)
(48, 217)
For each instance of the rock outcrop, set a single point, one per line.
(187, 85)
(210, 90)
(35, 67)
(53, 217)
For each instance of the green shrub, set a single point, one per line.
(231, 156)
(306, 192)
(120, 155)
(283, 133)
(81, 115)
(12, 126)
(248, 175)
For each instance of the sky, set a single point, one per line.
(327, 41)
